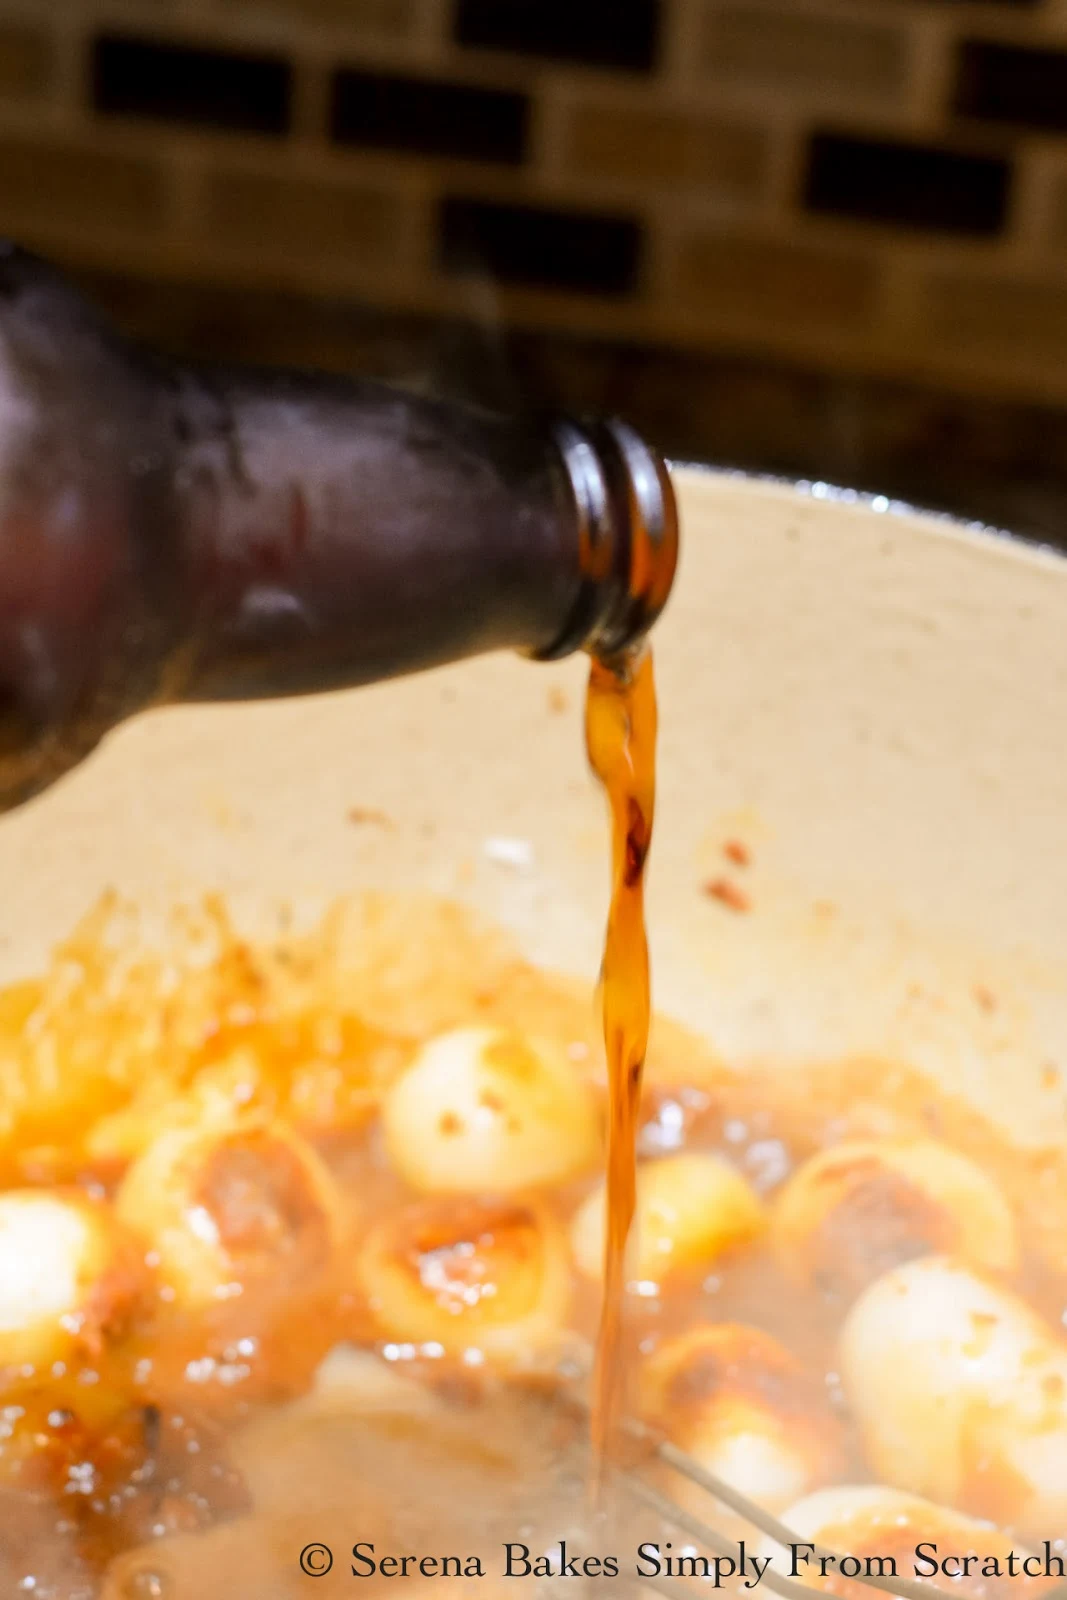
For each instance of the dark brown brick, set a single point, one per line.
(900, 182)
(429, 116)
(541, 247)
(595, 33)
(394, 19)
(1010, 84)
(191, 85)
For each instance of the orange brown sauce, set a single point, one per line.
(117, 1042)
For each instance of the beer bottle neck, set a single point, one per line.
(338, 532)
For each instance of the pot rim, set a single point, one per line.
(881, 504)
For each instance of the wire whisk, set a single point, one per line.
(659, 1450)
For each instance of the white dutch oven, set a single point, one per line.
(875, 700)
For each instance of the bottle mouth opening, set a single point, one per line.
(627, 538)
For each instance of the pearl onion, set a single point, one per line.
(69, 1276)
(741, 1405)
(690, 1208)
(469, 1275)
(960, 1393)
(231, 1206)
(859, 1208)
(486, 1109)
(871, 1520)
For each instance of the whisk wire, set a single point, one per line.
(765, 1522)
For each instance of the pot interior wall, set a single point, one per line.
(874, 702)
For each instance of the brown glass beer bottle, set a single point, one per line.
(170, 534)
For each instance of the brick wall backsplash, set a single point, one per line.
(868, 187)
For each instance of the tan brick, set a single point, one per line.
(65, 183)
(393, 19)
(1058, 213)
(295, 218)
(25, 60)
(776, 282)
(645, 143)
(791, 49)
(1025, 317)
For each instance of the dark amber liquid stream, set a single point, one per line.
(620, 730)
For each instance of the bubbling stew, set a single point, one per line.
(275, 1215)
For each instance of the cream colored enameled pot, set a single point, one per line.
(876, 701)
